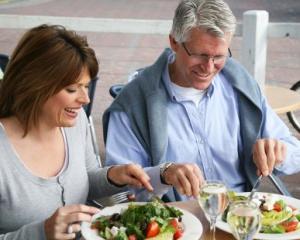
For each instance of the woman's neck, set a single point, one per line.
(42, 132)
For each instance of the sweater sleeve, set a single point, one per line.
(30, 231)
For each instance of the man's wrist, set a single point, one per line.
(162, 169)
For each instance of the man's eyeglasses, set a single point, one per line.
(204, 58)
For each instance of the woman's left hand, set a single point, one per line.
(131, 174)
(65, 221)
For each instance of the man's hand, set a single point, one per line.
(131, 174)
(186, 178)
(268, 153)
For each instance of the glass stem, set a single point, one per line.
(213, 227)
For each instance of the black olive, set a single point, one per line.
(143, 226)
(116, 217)
(261, 206)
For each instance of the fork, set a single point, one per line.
(255, 187)
(114, 199)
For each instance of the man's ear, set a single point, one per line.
(173, 43)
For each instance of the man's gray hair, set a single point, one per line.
(214, 16)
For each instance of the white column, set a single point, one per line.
(254, 44)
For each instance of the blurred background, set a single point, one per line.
(120, 54)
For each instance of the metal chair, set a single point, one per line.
(3, 61)
(88, 110)
(115, 90)
(92, 90)
(295, 115)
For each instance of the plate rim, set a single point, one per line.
(188, 218)
(266, 236)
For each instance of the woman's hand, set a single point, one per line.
(67, 218)
(131, 174)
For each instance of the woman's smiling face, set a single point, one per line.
(61, 110)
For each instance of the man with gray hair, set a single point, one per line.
(197, 114)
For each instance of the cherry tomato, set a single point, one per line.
(290, 226)
(132, 237)
(277, 207)
(178, 230)
(174, 223)
(152, 229)
(177, 234)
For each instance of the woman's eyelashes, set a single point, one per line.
(74, 87)
(70, 90)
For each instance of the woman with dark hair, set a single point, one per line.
(48, 166)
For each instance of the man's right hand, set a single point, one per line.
(186, 178)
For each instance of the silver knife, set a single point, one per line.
(255, 187)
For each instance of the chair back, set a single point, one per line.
(92, 90)
(3, 61)
(115, 90)
(88, 110)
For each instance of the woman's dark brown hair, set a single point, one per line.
(47, 59)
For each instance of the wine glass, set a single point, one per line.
(244, 219)
(213, 200)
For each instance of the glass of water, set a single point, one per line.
(244, 219)
(213, 200)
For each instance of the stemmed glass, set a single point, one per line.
(244, 219)
(213, 200)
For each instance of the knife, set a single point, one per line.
(255, 187)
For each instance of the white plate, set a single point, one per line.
(192, 226)
(282, 236)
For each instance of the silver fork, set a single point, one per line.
(117, 198)
(255, 187)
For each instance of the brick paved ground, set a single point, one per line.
(120, 54)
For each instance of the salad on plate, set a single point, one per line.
(278, 216)
(151, 221)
